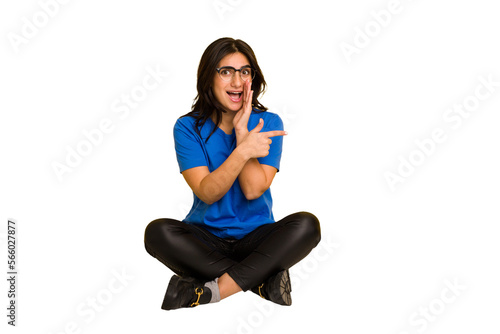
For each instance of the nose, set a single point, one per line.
(237, 80)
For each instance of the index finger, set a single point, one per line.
(275, 133)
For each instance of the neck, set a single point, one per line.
(226, 123)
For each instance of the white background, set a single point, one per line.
(348, 122)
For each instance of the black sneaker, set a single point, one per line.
(276, 288)
(185, 292)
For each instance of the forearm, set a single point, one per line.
(252, 179)
(216, 184)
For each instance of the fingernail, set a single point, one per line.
(286, 133)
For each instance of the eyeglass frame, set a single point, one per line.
(218, 69)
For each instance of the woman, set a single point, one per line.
(229, 153)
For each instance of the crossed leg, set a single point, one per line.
(239, 265)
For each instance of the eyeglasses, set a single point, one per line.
(226, 73)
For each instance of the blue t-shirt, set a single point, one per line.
(233, 216)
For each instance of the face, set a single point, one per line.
(230, 94)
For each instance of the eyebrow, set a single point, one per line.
(235, 67)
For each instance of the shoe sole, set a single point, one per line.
(286, 289)
(281, 294)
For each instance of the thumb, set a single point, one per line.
(259, 126)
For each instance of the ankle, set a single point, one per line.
(214, 289)
(227, 286)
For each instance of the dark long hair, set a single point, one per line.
(205, 102)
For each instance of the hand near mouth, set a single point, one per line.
(240, 120)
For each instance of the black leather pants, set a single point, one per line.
(190, 250)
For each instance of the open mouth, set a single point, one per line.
(235, 96)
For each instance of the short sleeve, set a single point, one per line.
(188, 145)
(274, 157)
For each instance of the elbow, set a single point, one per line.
(253, 191)
(254, 194)
(209, 200)
(251, 197)
(208, 195)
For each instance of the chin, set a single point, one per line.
(233, 108)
